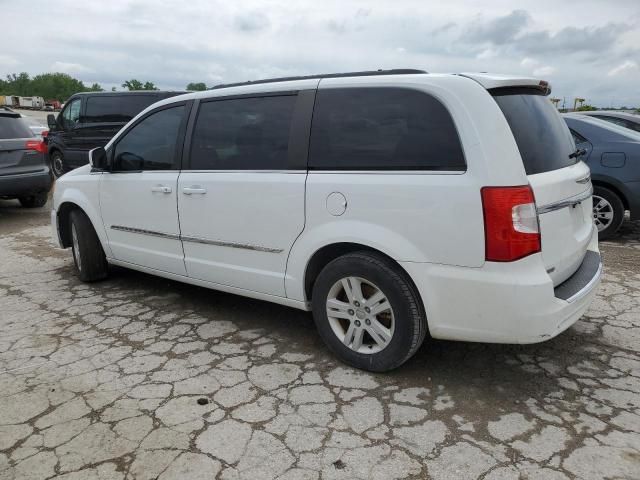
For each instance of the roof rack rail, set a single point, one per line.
(368, 73)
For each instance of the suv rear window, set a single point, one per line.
(382, 128)
(115, 108)
(12, 126)
(543, 138)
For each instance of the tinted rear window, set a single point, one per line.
(13, 127)
(116, 108)
(543, 138)
(382, 129)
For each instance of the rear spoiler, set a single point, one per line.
(495, 81)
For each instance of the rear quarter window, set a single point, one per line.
(382, 128)
(13, 127)
(543, 138)
(116, 108)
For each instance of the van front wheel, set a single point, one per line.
(57, 163)
(368, 312)
(88, 255)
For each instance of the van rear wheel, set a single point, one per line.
(608, 212)
(368, 312)
(88, 255)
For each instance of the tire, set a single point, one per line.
(34, 201)
(608, 212)
(88, 255)
(57, 163)
(350, 331)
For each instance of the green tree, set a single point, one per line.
(134, 84)
(19, 84)
(96, 87)
(586, 108)
(197, 87)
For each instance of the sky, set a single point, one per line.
(585, 48)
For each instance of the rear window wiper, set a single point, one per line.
(578, 153)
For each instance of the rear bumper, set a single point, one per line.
(503, 302)
(25, 183)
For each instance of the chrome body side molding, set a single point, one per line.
(205, 241)
(141, 231)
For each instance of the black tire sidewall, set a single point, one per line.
(92, 258)
(54, 154)
(618, 211)
(403, 339)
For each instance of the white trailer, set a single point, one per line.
(25, 102)
(38, 103)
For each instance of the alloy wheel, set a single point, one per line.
(360, 315)
(602, 213)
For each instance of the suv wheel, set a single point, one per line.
(34, 201)
(367, 312)
(608, 212)
(88, 255)
(57, 163)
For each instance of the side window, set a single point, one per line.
(632, 125)
(382, 129)
(71, 114)
(243, 134)
(150, 144)
(615, 120)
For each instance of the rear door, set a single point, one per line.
(560, 182)
(241, 193)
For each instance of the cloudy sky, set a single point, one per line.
(587, 48)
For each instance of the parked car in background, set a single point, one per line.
(24, 170)
(623, 119)
(90, 120)
(36, 127)
(613, 154)
(388, 203)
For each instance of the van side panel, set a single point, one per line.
(413, 216)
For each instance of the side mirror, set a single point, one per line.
(99, 160)
(51, 121)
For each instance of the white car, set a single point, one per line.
(390, 203)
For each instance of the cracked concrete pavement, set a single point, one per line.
(139, 377)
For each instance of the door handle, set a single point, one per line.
(161, 189)
(194, 190)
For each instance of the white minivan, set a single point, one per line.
(390, 203)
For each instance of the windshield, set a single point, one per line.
(543, 138)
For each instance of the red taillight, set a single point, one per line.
(511, 228)
(37, 145)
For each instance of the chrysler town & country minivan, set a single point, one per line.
(391, 204)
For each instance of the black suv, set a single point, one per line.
(90, 120)
(24, 173)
